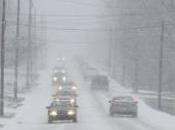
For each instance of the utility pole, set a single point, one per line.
(29, 46)
(2, 57)
(160, 76)
(17, 51)
(136, 69)
(34, 48)
(124, 73)
(110, 53)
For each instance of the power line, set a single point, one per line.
(98, 15)
(93, 29)
(2, 57)
(83, 3)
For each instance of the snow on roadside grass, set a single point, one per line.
(10, 105)
(155, 118)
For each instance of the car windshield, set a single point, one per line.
(66, 93)
(68, 83)
(62, 103)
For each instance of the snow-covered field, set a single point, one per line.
(93, 111)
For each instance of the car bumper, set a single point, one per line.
(62, 117)
(124, 111)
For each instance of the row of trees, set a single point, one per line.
(138, 44)
(25, 45)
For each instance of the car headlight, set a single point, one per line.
(60, 88)
(71, 112)
(57, 99)
(55, 78)
(53, 113)
(72, 100)
(74, 88)
(64, 79)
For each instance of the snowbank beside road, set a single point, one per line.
(156, 118)
(146, 114)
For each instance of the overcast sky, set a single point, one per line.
(52, 9)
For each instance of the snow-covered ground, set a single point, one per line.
(93, 113)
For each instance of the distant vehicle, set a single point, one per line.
(59, 67)
(60, 62)
(66, 93)
(60, 59)
(126, 105)
(58, 78)
(67, 85)
(100, 82)
(89, 73)
(62, 110)
(67, 88)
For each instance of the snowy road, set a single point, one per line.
(92, 112)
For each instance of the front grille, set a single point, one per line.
(62, 112)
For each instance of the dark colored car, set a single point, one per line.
(126, 105)
(62, 110)
(100, 82)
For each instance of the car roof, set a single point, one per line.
(63, 97)
(122, 98)
(58, 100)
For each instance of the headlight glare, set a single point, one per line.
(71, 112)
(72, 100)
(74, 88)
(53, 113)
(55, 78)
(64, 79)
(60, 88)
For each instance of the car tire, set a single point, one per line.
(75, 119)
(49, 120)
